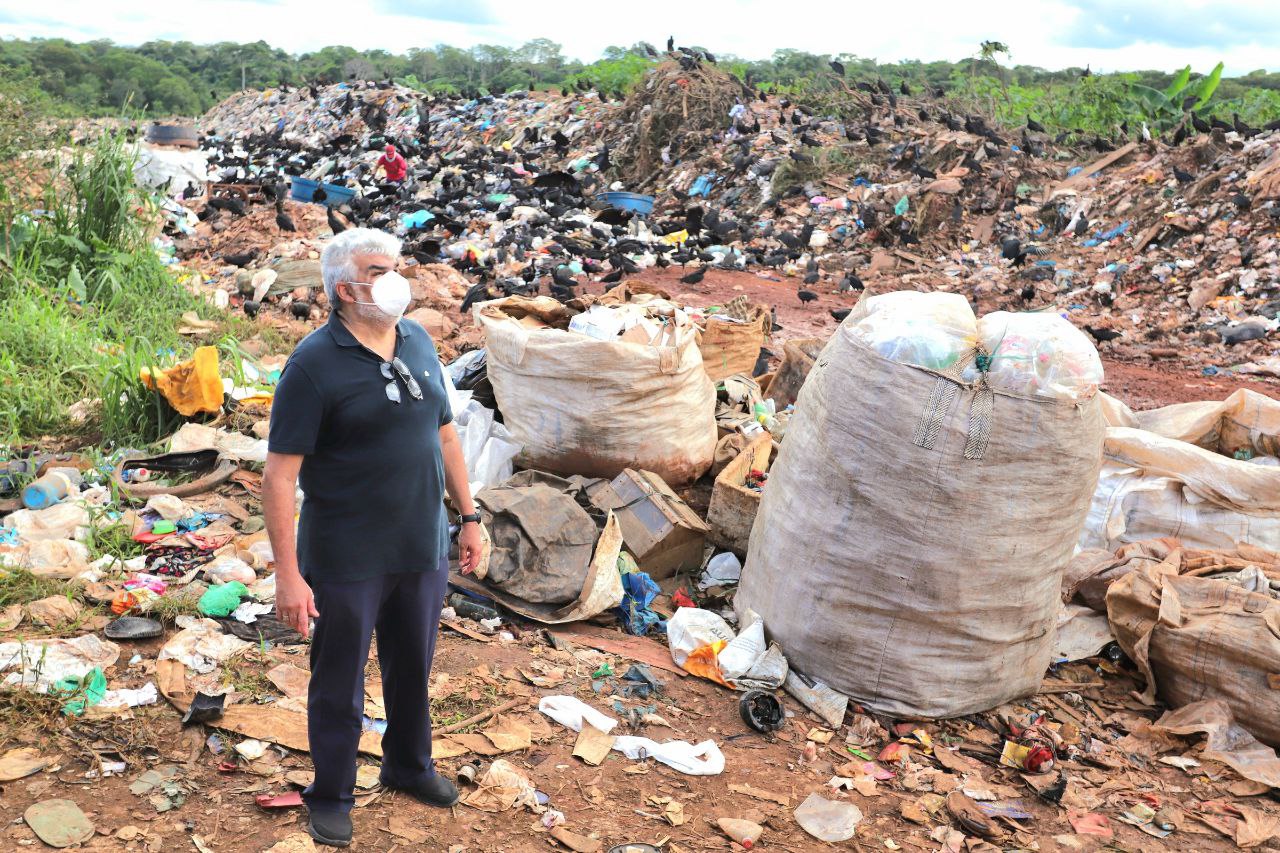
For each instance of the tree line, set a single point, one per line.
(183, 78)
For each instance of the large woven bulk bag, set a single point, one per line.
(911, 539)
(579, 405)
(1205, 472)
(1198, 638)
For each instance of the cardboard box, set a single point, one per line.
(733, 506)
(658, 528)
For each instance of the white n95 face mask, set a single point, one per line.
(391, 296)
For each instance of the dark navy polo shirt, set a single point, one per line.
(372, 473)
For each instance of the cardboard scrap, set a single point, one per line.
(261, 722)
(18, 763)
(759, 794)
(574, 841)
(289, 679)
(592, 745)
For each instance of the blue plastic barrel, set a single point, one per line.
(642, 204)
(301, 189)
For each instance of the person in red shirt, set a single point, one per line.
(393, 164)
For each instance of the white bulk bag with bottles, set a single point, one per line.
(910, 542)
(579, 405)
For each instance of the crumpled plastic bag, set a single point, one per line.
(828, 820)
(200, 645)
(222, 600)
(168, 507)
(503, 787)
(226, 569)
(43, 663)
(704, 644)
(191, 386)
(65, 520)
(233, 445)
(703, 759)
(569, 711)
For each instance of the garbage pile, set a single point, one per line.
(842, 583)
(1162, 252)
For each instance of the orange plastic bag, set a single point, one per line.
(191, 386)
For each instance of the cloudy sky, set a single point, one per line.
(1160, 34)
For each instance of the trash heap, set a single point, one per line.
(890, 562)
(1167, 253)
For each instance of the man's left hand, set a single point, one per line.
(470, 546)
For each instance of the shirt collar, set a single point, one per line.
(342, 335)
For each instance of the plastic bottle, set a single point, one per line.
(745, 832)
(53, 486)
(470, 608)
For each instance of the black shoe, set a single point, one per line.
(331, 828)
(435, 790)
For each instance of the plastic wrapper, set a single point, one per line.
(1038, 354)
(931, 330)
(1033, 354)
(487, 446)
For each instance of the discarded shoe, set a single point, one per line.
(435, 790)
(331, 828)
(133, 628)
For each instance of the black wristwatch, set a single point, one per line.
(474, 517)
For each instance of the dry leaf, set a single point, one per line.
(402, 827)
(1255, 827)
(913, 813)
(367, 776)
(10, 617)
(509, 734)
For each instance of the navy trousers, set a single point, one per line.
(404, 609)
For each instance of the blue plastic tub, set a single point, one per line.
(300, 189)
(641, 204)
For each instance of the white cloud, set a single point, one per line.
(1052, 34)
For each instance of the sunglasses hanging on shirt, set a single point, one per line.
(393, 390)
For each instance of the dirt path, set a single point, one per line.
(619, 801)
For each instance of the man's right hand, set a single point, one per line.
(295, 605)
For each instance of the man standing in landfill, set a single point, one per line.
(392, 164)
(361, 420)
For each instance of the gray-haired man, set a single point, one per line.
(361, 418)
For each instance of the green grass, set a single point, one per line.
(245, 673)
(111, 538)
(19, 586)
(178, 602)
(85, 304)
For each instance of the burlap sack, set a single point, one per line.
(584, 406)
(1198, 638)
(910, 543)
(730, 347)
(1153, 486)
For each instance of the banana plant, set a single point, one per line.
(1162, 110)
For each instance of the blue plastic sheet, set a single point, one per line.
(639, 591)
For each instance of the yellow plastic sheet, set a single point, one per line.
(192, 386)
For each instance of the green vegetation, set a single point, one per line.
(84, 301)
(113, 538)
(179, 601)
(19, 586)
(163, 77)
